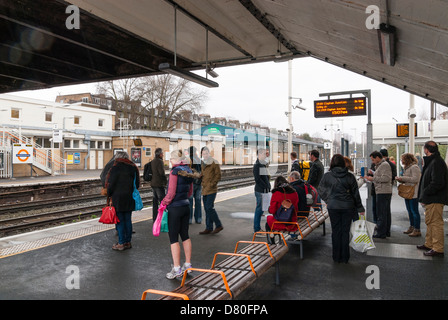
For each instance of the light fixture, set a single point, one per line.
(212, 72)
(167, 68)
(386, 38)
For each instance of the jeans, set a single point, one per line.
(210, 213)
(196, 197)
(414, 215)
(258, 211)
(158, 193)
(124, 227)
(383, 214)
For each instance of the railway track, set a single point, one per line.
(21, 217)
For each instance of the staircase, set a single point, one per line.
(43, 158)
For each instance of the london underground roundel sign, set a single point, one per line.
(22, 154)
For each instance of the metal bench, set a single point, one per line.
(227, 279)
(303, 227)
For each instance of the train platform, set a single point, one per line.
(76, 262)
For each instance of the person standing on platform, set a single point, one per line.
(316, 174)
(316, 170)
(195, 199)
(180, 187)
(211, 175)
(339, 190)
(158, 181)
(411, 176)
(262, 185)
(120, 186)
(295, 166)
(382, 178)
(433, 195)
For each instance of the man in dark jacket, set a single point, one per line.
(158, 181)
(295, 166)
(262, 185)
(316, 173)
(433, 195)
(195, 199)
(316, 170)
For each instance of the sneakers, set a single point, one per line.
(177, 272)
(185, 267)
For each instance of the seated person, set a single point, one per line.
(281, 191)
(299, 185)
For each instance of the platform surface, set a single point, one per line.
(41, 265)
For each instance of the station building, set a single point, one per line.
(83, 136)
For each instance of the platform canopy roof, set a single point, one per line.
(118, 39)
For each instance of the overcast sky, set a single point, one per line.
(259, 93)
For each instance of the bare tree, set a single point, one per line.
(159, 98)
(165, 96)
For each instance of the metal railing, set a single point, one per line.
(43, 158)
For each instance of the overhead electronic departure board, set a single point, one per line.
(403, 130)
(340, 108)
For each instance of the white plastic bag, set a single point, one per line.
(362, 232)
(265, 201)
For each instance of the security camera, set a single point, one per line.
(412, 113)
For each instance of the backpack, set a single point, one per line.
(311, 195)
(305, 168)
(393, 167)
(147, 172)
(285, 212)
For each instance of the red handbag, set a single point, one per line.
(109, 216)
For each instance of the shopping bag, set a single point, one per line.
(164, 224)
(265, 201)
(158, 223)
(362, 232)
(109, 215)
(137, 198)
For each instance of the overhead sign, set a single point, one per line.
(22, 154)
(340, 108)
(403, 130)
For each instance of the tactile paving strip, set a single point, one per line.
(395, 250)
(21, 246)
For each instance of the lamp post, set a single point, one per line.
(289, 113)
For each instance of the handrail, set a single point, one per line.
(270, 232)
(292, 223)
(165, 293)
(255, 242)
(209, 271)
(237, 255)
